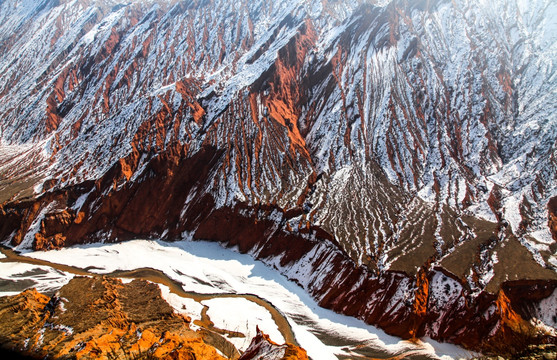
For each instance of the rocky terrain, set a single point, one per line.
(102, 318)
(533, 352)
(262, 347)
(397, 159)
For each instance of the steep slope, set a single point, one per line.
(438, 99)
(397, 160)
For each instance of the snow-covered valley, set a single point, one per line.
(208, 268)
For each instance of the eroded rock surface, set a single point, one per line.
(99, 318)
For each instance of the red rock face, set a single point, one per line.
(262, 347)
(552, 216)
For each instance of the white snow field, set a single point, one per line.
(23, 276)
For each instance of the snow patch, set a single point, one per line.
(238, 320)
(182, 305)
(547, 310)
(43, 278)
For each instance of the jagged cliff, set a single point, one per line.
(262, 347)
(396, 159)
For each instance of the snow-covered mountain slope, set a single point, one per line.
(403, 139)
(455, 106)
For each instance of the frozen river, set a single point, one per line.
(240, 294)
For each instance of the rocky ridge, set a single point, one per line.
(263, 347)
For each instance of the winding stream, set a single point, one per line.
(222, 286)
(158, 277)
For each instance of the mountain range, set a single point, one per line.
(397, 159)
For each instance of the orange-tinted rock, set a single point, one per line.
(189, 88)
(53, 242)
(122, 320)
(79, 217)
(53, 119)
(262, 347)
(419, 310)
(53, 225)
(57, 222)
(283, 88)
(512, 329)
